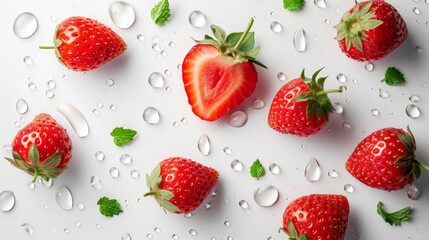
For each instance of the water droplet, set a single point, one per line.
(80, 206)
(167, 72)
(341, 78)
(99, 156)
(157, 230)
(98, 226)
(346, 125)
(272, 13)
(126, 159)
(229, 238)
(175, 236)
(109, 82)
(204, 145)
(236, 165)
(156, 47)
(237, 119)
(349, 188)
(32, 86)
(281, 76)
(416, 11)
(53, 18)
(49, 93)
(51, 84)
(419, 49)
(369, 66)
(243, 204)
(48, 183)
(66, 230)
(276, 27)
(312, 171)
(320, 3)
(257, 104)
(171, 44)
(414, 98)
(338, 108)
(21, 106)
(193, 232)
(413, 192)
(197, 19)
(28, 60)
(375, 112)
(31, 185)
(126, 236)
(77, 224)
(95, 182)
(167, 89)
(227, 223)
(207, 206)
(299, 40)
(17, 124)
(75, 118)
(266, 195)
(188, 215)
(7, 201)
(134, 173)
(333, 173)
(227, 150)
(383, 93)
(274, 168)
(163, 53)
(27, 228)
(156, 80)
(151, 115)
(140, 37)
(412, 111)
(25, 25)
(114, 172)
(149, 236)
(64, 198)
(122, 14)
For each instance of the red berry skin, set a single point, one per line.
(383, 39)
(86, 44)
(319, 216)
(288, 116)
(373, 161)
(189, 181)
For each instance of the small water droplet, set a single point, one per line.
(126, 159)
(167, 89)
(7, 201)
(197, 19)
(236, 165)
(383, 93)
(109, 82)
(28, 61)
(64, 198)
(419, 49)
(272, 13)
(207, 206)
(413, 192)
(27, 228)
(338, 108)
(188, 215)
(157, 230)
(77, 224)
(95, 182)
(48, 183)
(257, 104)
(320, 3)
(53, 18)
(270, 238)
(341, 78)
(75, 118)
(227, 150)
(51, 84)
(416, 11)
(134, 173)
(375, 112)
(99, 156)
(25, 25)
(149, 236)
(237, 119)
(80, 206)
(327, 21)
(299, 40)
(175, 124)
(349, 188)
(266, 195)
(21, 106)
(167, 72)
(126, 236)
(98, 226)
(49, 93)
(17, 124)
(414, 98)
(156, 80)
(66, 230)
(175, 236)
(122, 14)
(276, 27)
(227, 223)
(163, 53)
(333, 173)
(346, 125)
(274, 168)
(312, 171)
(204, 145)
(229, 238)
(114, 172)
(140, 37)
(156, 47)
(31, 185)
(369, 66)
(412, 111)
(193, 232)
(281, 76)
(32, 86)
(243, 204)
(151, 115)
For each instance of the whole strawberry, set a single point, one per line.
(301, 107)
(371, 30)
(83, 44)
(42, 148)
(386, 160)
(317, 216)
(219, 74)
(179, 185)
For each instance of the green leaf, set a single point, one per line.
(247, 44)
(52, 161)
(393, 77)
(364, 10)
(357, 43)
(253, 60)
(122, 136)
(109, 207)
(292, 230)
(219, 33)
(12, 162)
(406, 141)
(417, 171)
(257, 170)
(371, 24)
(208, 41)
(33, 154)
(155, 175)
(405, 160)
(169, 206)
(165, 194)
(160, 12)
(394, 218)
(311, 108)
(252, 53)
(293, 5)
(148, 181)
(303, 97)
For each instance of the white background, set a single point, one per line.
(131, 94)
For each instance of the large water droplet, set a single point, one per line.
(25, 25)
(276, 27)
(197, 19)
(114, 172)
(28, 61)
(414, 98)
(99, 156)
(333, 173)
(413, 192)
(338, 108)
(27, 228)
(156, 80)
(75, 118)
(320, 3)
(236, 165)
(274, 168)
(341, 78)
(237, 119)
(126, 236)
(312, 171)
(266, 195)
(299, 40)
(64, 198)
(412, 111)
(349, 188)
(243, 204)
(193, 232)
(126, 159)
(375, 112)
(122, 14)
(204, 145)
(369, 66)
(281, 76)
(21, 106)
(151, 115)
(95, 182)
(7, 201)
(416, 11)
(383, 93)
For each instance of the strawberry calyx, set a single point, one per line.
(238, 45)
(293, 233)
(410, 158)
(318, 100)
(57, 43)
(353, 25)
(153, 182)
(46, 170)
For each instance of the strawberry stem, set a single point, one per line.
(340, 90)
(243, 36)
(426, 167)
(149, 194)
(46, 47)
(36, 174)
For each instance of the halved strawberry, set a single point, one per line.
(219, 74)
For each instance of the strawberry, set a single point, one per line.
(83, 44)
(386, 160)
(179, 185)
(42, 148)
(219, 74)
(301, 107)
(317, 216)
(371, 30)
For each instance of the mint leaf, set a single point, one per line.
(161, 12)
(293, 5)
(257, 170)
(394, 218)
(122, 136)
(393, 77)
(109, 207)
